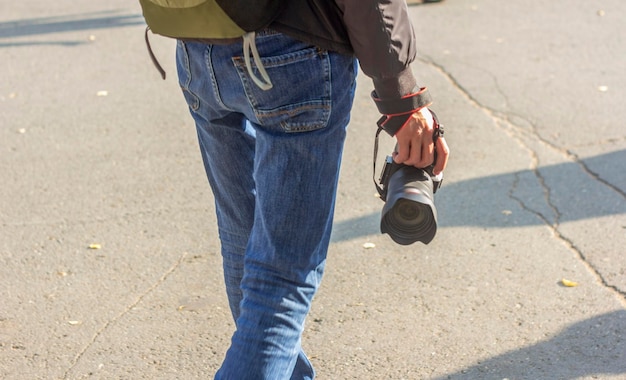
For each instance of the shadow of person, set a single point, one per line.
(596, 346)
(481, 201)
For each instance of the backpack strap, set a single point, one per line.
(152, 56)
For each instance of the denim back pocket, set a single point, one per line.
(300, 98)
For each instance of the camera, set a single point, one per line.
(409, 214)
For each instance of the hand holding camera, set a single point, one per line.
(417, 144)
(414, 171)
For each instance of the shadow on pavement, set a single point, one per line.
(483, 202)
(59, 24)
(596, 346)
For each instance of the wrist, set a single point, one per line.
(397, 111)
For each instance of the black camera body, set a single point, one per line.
(409, 214)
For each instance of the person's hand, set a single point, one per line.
(415, 146)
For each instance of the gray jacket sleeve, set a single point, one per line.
(383, 40)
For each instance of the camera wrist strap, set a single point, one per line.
(396, 111)
(381, 192)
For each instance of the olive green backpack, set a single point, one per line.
(209, 19)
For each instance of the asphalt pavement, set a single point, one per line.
(109, 256)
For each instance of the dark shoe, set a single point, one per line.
(417, 2)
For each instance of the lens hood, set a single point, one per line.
(409, 214)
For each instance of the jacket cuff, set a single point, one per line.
(402, 84)
(409, 103)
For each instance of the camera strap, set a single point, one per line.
(380, 190)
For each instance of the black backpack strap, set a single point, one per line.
(152, 56)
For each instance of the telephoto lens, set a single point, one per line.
(409, 214)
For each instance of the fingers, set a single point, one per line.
(415, 145)
(402, 153)
(420, 153)
(443, 153)
(413, 153)
(410, 152)
(414, 141)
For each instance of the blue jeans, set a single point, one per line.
(272, 159)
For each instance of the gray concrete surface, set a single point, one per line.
(96, 149)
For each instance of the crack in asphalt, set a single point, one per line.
(130, 307)
(504, 122)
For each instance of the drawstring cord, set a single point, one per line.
(250, 45)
